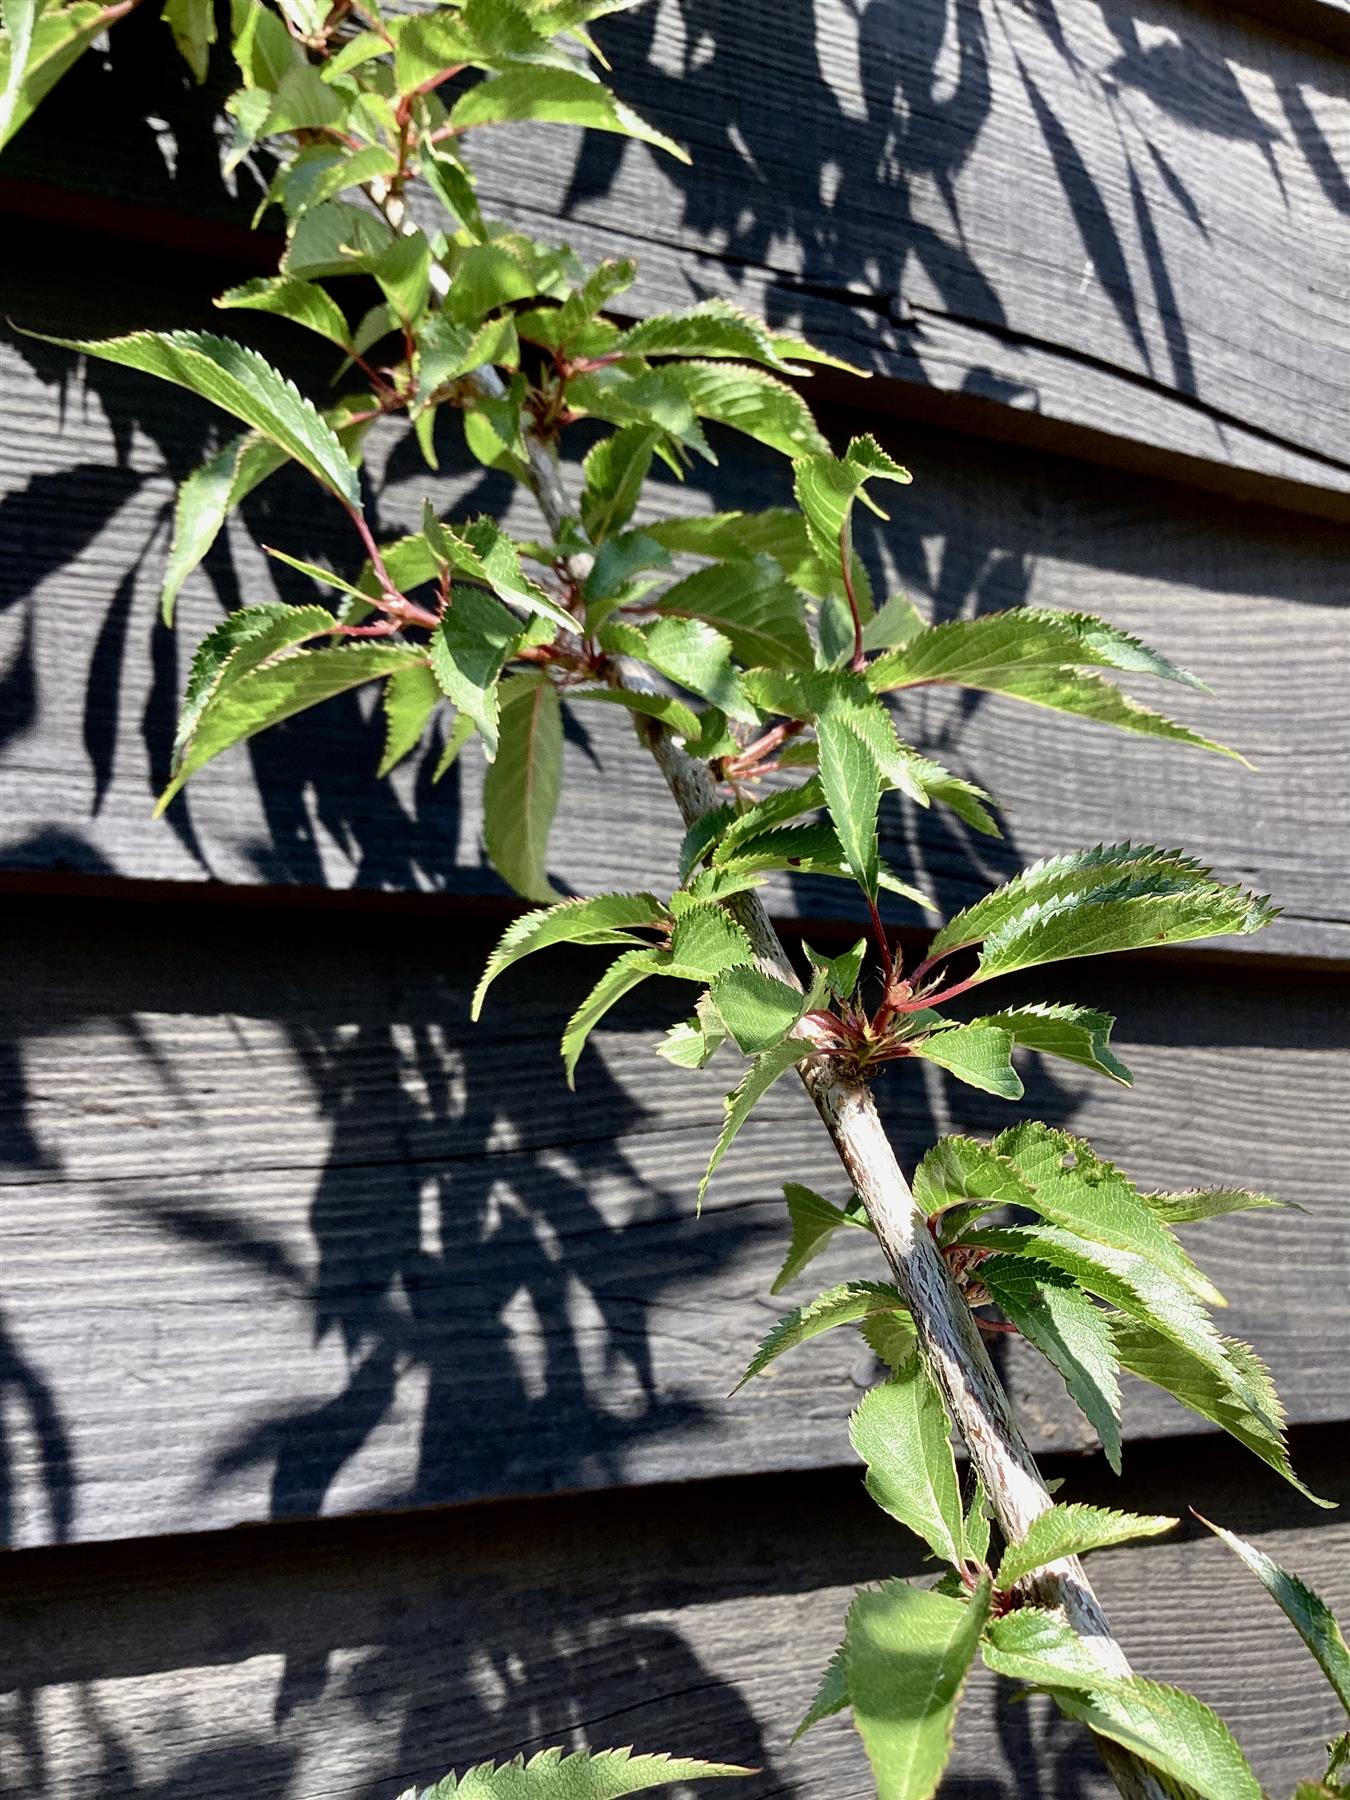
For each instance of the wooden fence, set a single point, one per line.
(363, 1390)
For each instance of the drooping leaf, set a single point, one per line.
(907, 1653)
(831, 1695)
(624, 973)
(1224, 1394)
(741, 1102)
(1069, 1330)
(603, 919)
(751, 604)
(679, 717)
(241, 641)
(462, 730)
(748, 400)
(574, 1775)
(241, 708)
(1072, 1531)
(240, 382)
(843, 1305)
(303, 302)
(193, 24)
(615, 471)
(902, 1432)
(523, 783)
(1079, 1034)
(206, 499)
(1306, 1611)
(1178, 1734)
(716, 328)
(554, 96)
(1209, 1203)
(827, 487)
(409, 698)
(481, 550)
(1071, 1186)
(470, 646)
(814, 1221)
(979, 1054)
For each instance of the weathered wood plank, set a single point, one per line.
(343, 1659)
(879, 175)
(1259, 613)
(278, 1217)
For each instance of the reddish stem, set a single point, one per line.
(859, 662)
(879, 931)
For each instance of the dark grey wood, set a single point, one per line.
(1130, 224)
(284, 1235)
(89, 712)
(334, 1662)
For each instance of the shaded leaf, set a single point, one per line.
(749, 601)
(468, 649)
(206, 499)
(624, 973)
(741, 1102)
(522, 785)
(409, 699)
(831, 1695)
(756, 1008)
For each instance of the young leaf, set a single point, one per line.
(893, 625)
(843, 1305)
(410, 698)
(852, 790)
(1071, 1186)
(623, 973)
(605, 919)
(206, 499)
(827, 486)
(1072, 1531)
(979, 1054)
(1236, 1394)
(751, 604)
(831, 1695)
(757, 1009)
(758, 1079)
(814, 1221)
(239, 381)
(1077, 1033)
(907, 1653)
(522, 784)
(1069, 1330)
(558, 97)
(574, 1775)
(959, 1174)
(902, 1433)
(240, 709)
(1175, 1732)
(472, 642)
(481, 550)
(840, 972)
(1310, 1615)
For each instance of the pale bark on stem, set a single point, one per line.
(947, 1333)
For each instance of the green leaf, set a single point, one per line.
(831, 1695)
(193, 24)
(265, 696)
(481, 550)
(688, 652)
(975, 652)
(840, 972)
(747, 400)
(1306, 1611)
(959, 1174)
(757, 1009)
(706, 942)
(1173, 1731)
(717, 328)
(907, 1653)
(741, 1102)
(1071, 1186)
(979, 1054)
(240, 382)
(206, 499)
(827, 487)
(693, 1043)
(902, 1433)
(1077, 1033)
(1222, 1393)
(1034, 1646)
(814, 1221)
(1072, 1531)
(891, 1338)
(522, 785)
(1137, 1287)
(757, 611)
(39, 44)
(1069, 1330)
(623, 973)
(555, 96)
(673, 713)
(410, 698)
(852, 790)
(604, 919)
(303, 302)
(843, 1305)
(893, 625)
(472, 642)
(615, 470)
(462, 729)
(240, 642)
(575, 1775)
(1209, 1203)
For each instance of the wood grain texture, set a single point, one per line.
(1258, 612)
(1130, 224)
(277, 1217)
(332, 1663)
